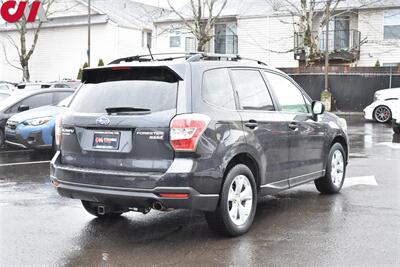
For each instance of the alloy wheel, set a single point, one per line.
(382, 114)
(337, 168)
(240, 200)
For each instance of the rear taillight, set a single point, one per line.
(186, 130)
(58, 130)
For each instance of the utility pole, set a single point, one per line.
(89, 31)
(326, 96)
(328, 15)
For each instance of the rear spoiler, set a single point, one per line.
(129, 73)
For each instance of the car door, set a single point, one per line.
(265, 130)
(306, 136)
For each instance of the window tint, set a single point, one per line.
(60, 96)
(217, 88)
(38, 100)
(289, 96)
(34, 101)
(153, 95)
(252, 91)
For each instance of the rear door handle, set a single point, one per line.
(293, 126)
(252, 124)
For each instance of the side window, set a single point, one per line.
(217, 89)
(59, 96)
(38, 100)
(289, 96)
(252, 91)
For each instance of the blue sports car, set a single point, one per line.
(34, 128)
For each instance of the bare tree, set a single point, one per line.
(202, 19)
(25, 50)
(306, 24)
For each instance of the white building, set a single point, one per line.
(364, 32)
(119, 28)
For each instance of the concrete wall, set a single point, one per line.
(61, 51)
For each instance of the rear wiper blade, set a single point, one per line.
(127, 110)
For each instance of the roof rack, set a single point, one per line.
(148, 58)
(228, 57)
(190, 57)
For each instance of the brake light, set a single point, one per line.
(186, 130)
(58, 130)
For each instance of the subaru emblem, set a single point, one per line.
(103, 121)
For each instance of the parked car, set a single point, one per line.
(40, 85)
(4, 95)
(381, 110)
(386, 94)
(6, 86)
(34, 128)
(211, 133)
(396, 118)
(28, 99)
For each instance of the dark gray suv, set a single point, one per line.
(205, 132)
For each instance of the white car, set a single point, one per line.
(387, 94)
(5, 86)
(396, 119)
(382, 109)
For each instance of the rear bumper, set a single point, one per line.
(127, 196)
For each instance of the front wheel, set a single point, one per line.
(382, 114)
(333, 180)
(238, 203)
(2, 141)
(93, 208)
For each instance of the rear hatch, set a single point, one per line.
(119, 120)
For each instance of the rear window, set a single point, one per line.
(147, 88)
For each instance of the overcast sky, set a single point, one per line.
(163, 3)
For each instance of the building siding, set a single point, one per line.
(371, 26)
(61, 51)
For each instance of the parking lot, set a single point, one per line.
(360, 226)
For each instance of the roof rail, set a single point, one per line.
(229, 57)
(190, 57)
(148, 57)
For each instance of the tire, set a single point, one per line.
(396, 129)
(220, 221)
(333, 180)
(2, 141)
(382, 114)
(92, 208)
(53, 146)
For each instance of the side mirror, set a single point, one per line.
(318, 108)
(23, 108)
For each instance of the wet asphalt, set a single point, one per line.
(299, 227)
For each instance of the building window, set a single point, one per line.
(146, 39)
(149, 39)
(190, 44)
(392, 25)
(174, 41)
